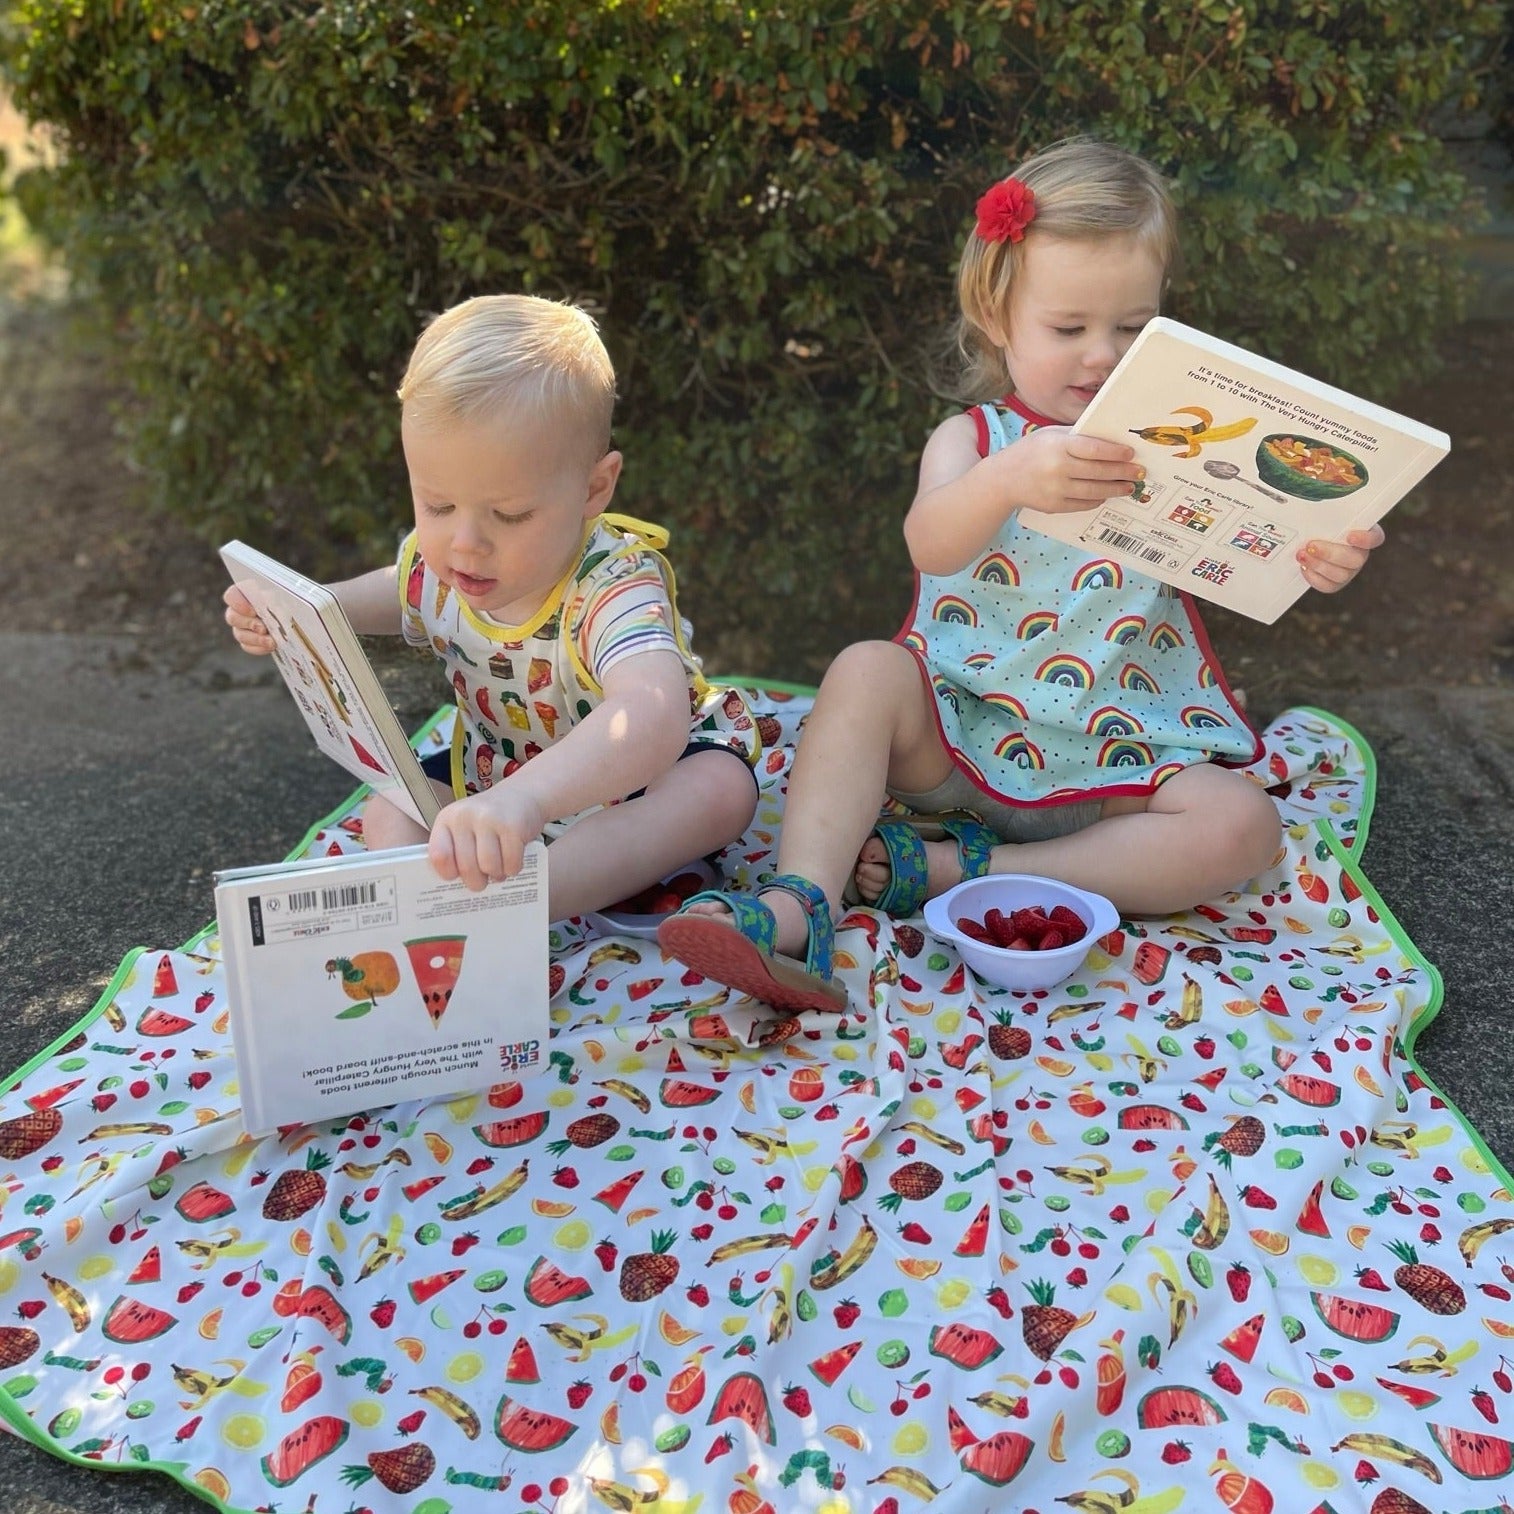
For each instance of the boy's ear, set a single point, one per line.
(603, 477)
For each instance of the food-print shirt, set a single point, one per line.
(521, 688)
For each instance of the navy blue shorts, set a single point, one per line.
(439, 764)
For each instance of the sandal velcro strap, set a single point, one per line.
(821, 951)
(904, 837)
(749, 916)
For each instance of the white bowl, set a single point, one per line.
(612, 922)
(1023, 970)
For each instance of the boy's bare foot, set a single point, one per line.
(943, 868)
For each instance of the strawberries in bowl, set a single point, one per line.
(641, 913)
(1019, 931)
(1031, 929)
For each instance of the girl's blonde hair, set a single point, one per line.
(1085, 190)
(516, 357)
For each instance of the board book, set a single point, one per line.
(322, 661)
(1246, 460)
(365, 980)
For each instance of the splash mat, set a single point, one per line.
(1189, 1229)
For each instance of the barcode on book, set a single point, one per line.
(1132, 544)
(349, 896)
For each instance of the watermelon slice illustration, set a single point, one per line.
(436, 961)
(364, 756)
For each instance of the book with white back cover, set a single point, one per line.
(1246, 460)
(365, 980)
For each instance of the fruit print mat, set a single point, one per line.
(1190, 1230)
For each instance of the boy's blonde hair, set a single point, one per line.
(1085, 190)
(516, 357)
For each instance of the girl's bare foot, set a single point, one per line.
(943, 868)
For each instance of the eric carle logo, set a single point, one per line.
(514, 1056)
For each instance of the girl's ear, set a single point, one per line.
(603, 477)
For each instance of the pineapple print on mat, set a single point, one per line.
(298, 1190)
(1190, 1230)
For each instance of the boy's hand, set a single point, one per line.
(1331, 565)
(483, 838)
(250, 632)
(1058, 471)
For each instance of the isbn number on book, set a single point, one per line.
(327, 909)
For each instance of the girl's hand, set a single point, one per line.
(250, 632)
(1331, 565)
(483, 838)
(1057, 471)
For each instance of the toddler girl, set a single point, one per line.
(994, 696)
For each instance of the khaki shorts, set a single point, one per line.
(1010, 822)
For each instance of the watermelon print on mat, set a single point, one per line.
(1191, 1226)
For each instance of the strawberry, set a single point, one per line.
(846, 1313)
(1369, 1277)
(915, 1233)
(382, 1313)
(1482, 1401)
(565, 1177)
(1257, 1198)
(718, 1448)
(606, 1253)
(1204, 1046)
(797, 1399)
(411, 1422)
(189, 1290)
(578, 1393)
(698, 1295)
(1238, 1280)
(1224, 1377)
(30, 1308)
(999, 1299)
(478, 1165)
(464, 1243)
(999, 930)
(1175, 1452)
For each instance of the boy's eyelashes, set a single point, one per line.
(504, 517)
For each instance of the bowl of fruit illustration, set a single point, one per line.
(643, 912)
(1308, 468)
(1019, 931)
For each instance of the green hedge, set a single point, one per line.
(763, 202)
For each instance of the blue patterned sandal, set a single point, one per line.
(904, 838)
(738, 950)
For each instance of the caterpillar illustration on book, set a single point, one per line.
(367, 977)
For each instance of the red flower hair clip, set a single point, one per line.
(1005, 211)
